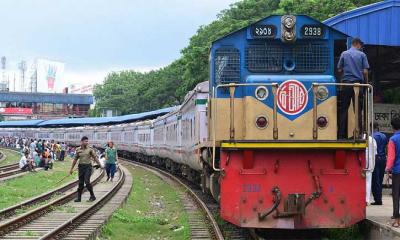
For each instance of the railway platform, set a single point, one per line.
(379, 220)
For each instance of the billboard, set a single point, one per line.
(16, 111)
(384, 114)
(50, 76)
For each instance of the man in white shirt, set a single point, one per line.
(370, 153)
(24, 164)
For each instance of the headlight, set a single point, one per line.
(289, 36)
(261, 122)
(288, 28)
(261, 93)
(289, 22)
(322, 93)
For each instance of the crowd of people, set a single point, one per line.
(43, 153)
(36, 153)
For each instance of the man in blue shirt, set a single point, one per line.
(380, 165)
(353, 65)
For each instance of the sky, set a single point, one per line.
(94, 37)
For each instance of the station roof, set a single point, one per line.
(142, 116)
(72, 122)
(374, 24)
(20, 123)
(56, 98)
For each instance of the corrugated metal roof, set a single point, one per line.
(57, 98)
(374, 24)
(141, 116)
(74, 122)
(104, 120)
(21, 123)
(69, 122)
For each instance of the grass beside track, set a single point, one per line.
(11, 157)
(22, 188)
(153, 211)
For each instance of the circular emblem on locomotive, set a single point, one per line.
(292, 97)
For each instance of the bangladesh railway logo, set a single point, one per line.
(292, 97)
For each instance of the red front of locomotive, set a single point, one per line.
(292, 188)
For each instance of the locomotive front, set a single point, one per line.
(273, 128)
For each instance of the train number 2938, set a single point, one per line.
(312, 31)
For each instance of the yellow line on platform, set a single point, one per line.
(350, 145)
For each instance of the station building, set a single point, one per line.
(378, 26)
(24, 105)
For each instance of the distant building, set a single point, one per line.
(81, 89)
(22, 105)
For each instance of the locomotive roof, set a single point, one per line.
(274, 15)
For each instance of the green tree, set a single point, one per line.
(320, 9)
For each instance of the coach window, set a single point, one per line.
(191, 129)
(194, 127)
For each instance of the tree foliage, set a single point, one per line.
(132, 92)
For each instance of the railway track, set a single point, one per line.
(9, 167)
(58, 218)
(9, 170)
(12, 210)
(204, 226)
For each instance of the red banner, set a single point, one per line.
(16, 111)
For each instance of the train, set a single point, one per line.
(260, 136)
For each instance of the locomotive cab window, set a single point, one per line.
(227, 65)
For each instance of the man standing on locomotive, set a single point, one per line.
(353, 65)
(85, 155)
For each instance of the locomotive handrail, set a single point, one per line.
(369, 121)
(232, 87)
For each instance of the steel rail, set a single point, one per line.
(70, 224)
(25, 218)
(9, 167)
(5, 213)
(214, 225)
(10, 173)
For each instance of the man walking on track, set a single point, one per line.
(111, 160)
(85, 155)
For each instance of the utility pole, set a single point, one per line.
(14, 82)
(33, 84)
(22, 68)
(3, 69)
